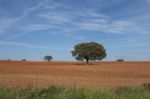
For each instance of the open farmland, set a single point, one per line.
(103, 74)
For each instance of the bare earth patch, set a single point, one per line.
(103, 74)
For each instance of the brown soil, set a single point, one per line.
(102, 74)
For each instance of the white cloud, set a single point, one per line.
(8, 22)
(30, 45)
(121, 26)
(2, 31)
(71, 36)
(91, 14)
(148, 1)
(35, 27)
(55, 18)
(106, 26)
(92, 26)
(71, 19)
(114, 26)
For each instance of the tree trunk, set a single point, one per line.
(87, 60)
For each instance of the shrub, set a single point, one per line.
(23, 60)
(146, 86)
(120, 60)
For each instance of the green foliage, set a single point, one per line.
(48, 57)
(79, 58)
(89, 51)
(55, 92)
(146, 86)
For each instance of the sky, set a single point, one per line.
(31, 29)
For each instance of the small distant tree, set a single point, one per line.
(48, 58)
(91, 51)
(8, 59)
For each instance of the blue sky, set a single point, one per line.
(31, 29)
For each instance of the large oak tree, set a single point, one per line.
(89, 51)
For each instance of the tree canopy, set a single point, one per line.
(89, 51)
(48, 57)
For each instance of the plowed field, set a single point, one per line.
(102, 74)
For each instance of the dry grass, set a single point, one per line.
(103, 74)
